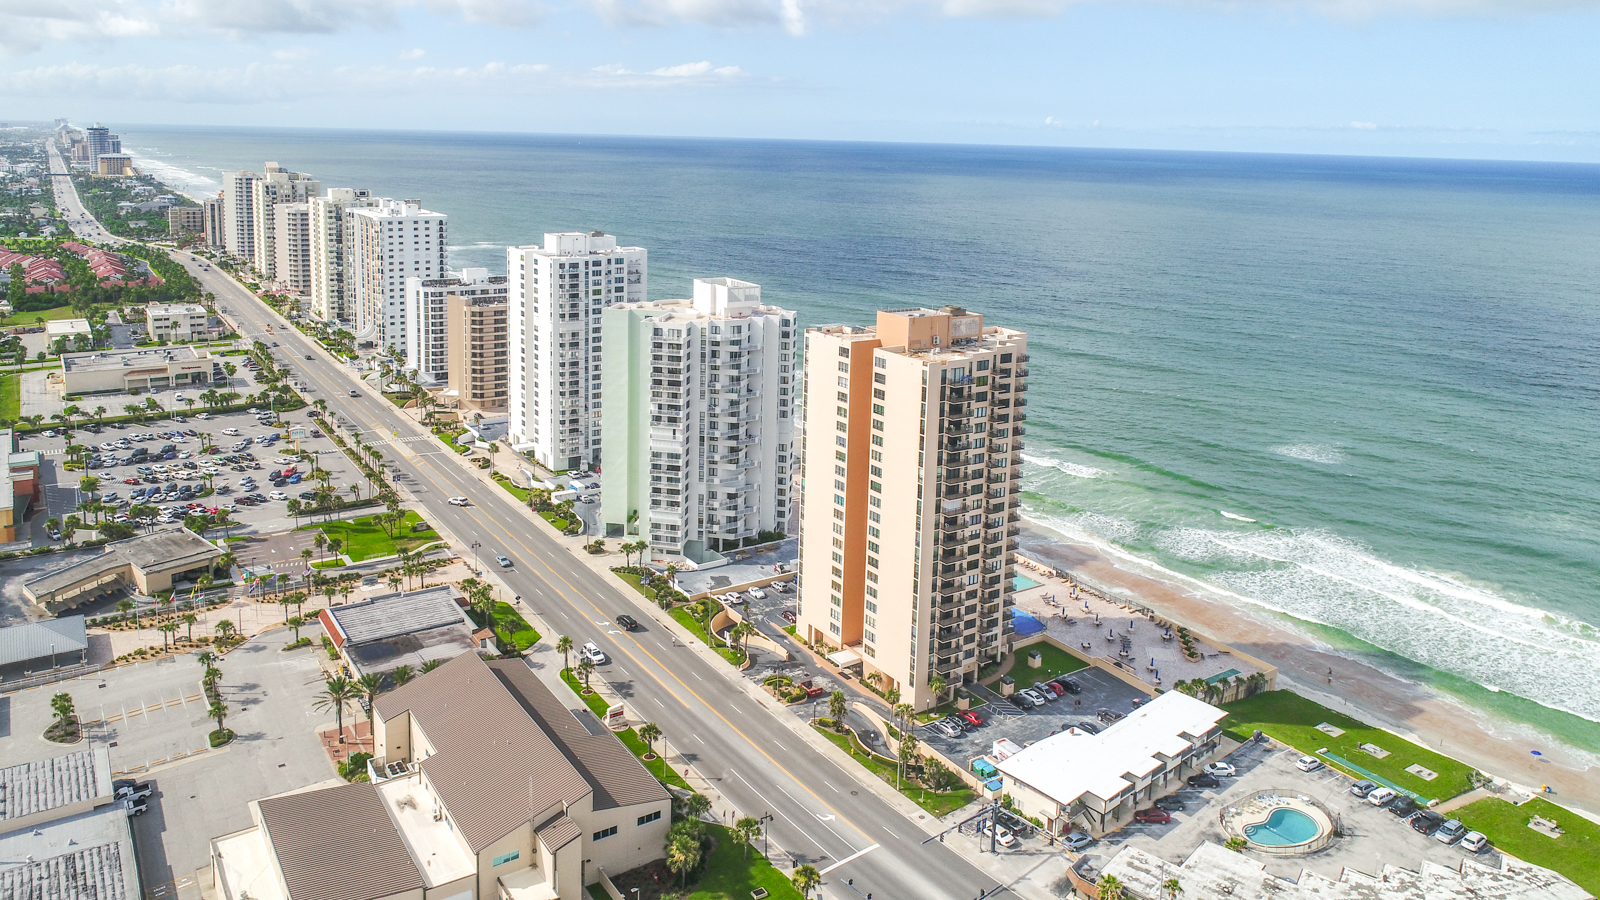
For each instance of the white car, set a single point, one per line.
(1002, 836)
(277, 495)
(757, 593)
(1381, 796)
(185, 454)
(178, 397)
(1307, 764)
(1220, 769)
(593, 653)
(732, 597)
(231, 432)
(459, 501)
(203, 416)
(1474, 842)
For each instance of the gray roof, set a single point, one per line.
(338, 844)
(161, 551)
(30, 788)
(392, 615)
(84, 857)
(611, 769)
(21, 643)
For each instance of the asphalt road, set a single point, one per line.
(820, 814)
(68, 204)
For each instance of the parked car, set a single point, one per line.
(1426, 821)
(136, 807)
(1044, 691)
(1032, 696)
(1380, 796)
(1450, 832)
(1019, 702)
(1403, 806)
(1362, 788)
(135, 791)
(1307, 764)
(504, 562)
(1070, 686)
(593, 653)
(1171, 803)
(1076, 841)
(1221, 769)
(280, 495)
(1203, 780)
(1153, 816)
(1088, 726)
(1002, 835)
(627, 622)
(972, 718)
(757, 593)
(1474, 842)
(789, 616)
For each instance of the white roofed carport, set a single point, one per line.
(844, 658)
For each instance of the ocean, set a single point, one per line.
(1356, 395)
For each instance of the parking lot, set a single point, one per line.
(155, 713)
(1099, 691)
(172, 468)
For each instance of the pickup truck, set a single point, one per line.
(812, 691)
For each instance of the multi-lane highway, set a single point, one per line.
(820, 814)
(69, 206)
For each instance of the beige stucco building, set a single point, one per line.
(479, 373)
(175, 321)
(910, 484)
(149, 563)
(485, 787)
(154, 368)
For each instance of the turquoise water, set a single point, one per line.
(1283, 827)
(1354, 394)
(1022, 583)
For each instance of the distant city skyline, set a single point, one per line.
(1448, 78)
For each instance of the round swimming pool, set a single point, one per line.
(1284, 827)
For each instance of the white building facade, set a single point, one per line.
(291, 247)
(238, 202)
(331, 225)
(390, 241)
(276, 187)
(557, 294)
(428, 331)
(699, 432)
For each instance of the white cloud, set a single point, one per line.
(1364, 126)
(291, 53)
(413, 53)
(686, 74)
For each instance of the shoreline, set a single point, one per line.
(1413, 711)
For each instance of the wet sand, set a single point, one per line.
(1410, 710)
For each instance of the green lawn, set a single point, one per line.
(732, 872)
(512, 629)
(363, 539)
(1292, 719)
(630, 738)
(560, 524)
(1575, 854)
(932, 801)
(26, 319)
(521, 493)
(1055, 661)
(681, 614)
(10, 396)
(630, 578)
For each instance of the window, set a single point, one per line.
(604, 833)
(653, 817)
(504, 858)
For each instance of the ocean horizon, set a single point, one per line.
(1356, 394)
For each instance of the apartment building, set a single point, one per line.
(276, 186)
(484, 786)
(911, 470)
(478, 336)
(699, 431)
(115, 165)
(431, 324)
(175, 321)
(239, 203)
(390, 241)
(291, 247)
(557, 294)
(181, 219)
(331, 226)
(214, 221)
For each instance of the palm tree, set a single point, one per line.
(336, 694)
(402, 674)
(650, 732)
(585, 669)
(747, 829)
(369, 686)
(167, 628)
(683, 855)
(224, 629)
(1109, 888)
(936, 684)
(742, 633)
(431, 664)
(836, 708)
(1170, 889)
(564, 647)
(806, 879)
(127, 606)
(206, 658)
(219, 711)
(61, 704)
(296, 623)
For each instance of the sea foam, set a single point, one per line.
(1076, 470)
(1316, 453)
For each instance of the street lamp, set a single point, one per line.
(763, 820)
(475, 546)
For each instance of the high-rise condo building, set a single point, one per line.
(910, 500)
(291, 247)
(430, 324)
(557, 293)
(215, 210)
(275, 187)
(699, 427)
(239, 202)
(478, 329)
(390, 241)
(331, 227)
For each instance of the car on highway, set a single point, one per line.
(459, 501)
(1153, 816)
(1307, 764)
(592, 653)
(308, 356)
(1221, 769)
(504, 562)
(355, 393)
(627, 622)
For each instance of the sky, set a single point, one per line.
(1500, 79)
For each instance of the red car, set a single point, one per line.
(1153, 816)
(787, 615)
(131, 481)
(972, 718)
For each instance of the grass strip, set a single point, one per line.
(934, 802)
(1575, 854)
(630, 738)
(364, 539)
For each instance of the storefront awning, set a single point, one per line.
(845, 658)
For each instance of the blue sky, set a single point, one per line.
(1473, 78)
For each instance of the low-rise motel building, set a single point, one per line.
(484, 786)
(148, 369)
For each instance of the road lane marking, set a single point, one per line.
(852, 857)
(891, 834)
(772, 806)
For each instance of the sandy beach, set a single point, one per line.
(1414, 711)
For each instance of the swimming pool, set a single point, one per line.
(1022, 583)
(1284, 828)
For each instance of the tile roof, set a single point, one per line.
(486, 748)
(35, 640)
(338, 844)
(612, 771)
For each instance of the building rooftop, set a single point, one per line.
(99, 360)
(33, 640)
(28, 789)
(411, 628)
(339, 844)
(65, 327)
(434, 849)
(88, 856)
(1214, 873)
(170, 309)
(1067, 765)
(161, 551)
